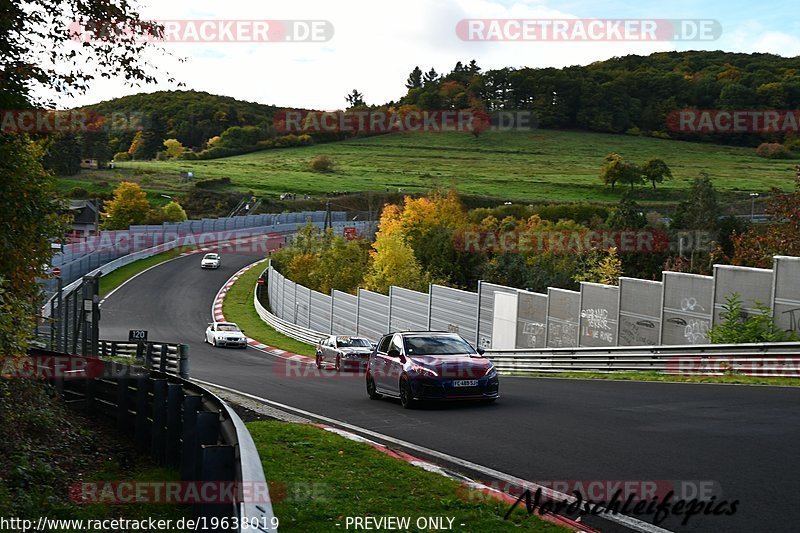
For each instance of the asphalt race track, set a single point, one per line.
(743, 439)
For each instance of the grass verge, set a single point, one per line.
(732, 379)
(114, 279)
(238, 307)
(317, 479)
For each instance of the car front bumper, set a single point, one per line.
(231, 343)
(354, 362)
(425, 388)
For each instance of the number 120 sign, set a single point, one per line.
(137, 335)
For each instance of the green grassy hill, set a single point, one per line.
(541, 165)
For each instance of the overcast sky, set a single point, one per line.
(377, 42)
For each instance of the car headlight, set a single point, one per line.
(490, 372)
(422, 371)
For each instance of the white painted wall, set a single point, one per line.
(504, 324)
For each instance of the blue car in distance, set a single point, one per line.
(429, 365)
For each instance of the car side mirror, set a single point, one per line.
(394, 352)
(481, 351)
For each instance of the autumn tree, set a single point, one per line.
(656, 171)
(174, 148)
(128, 207)
(393, 260)
(616, 170)
(173, 212)
(323, 261)
(601, 267)
(393, 263)
(136, 145)
(452, 93)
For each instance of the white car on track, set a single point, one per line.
(225, 334)
(210, 261)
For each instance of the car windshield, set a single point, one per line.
(227, 327)
(437, 345)
(211, 256)
(352, 342)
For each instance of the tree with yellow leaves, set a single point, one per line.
(602, 269)
(393, 261)
(128, 207)
(174, 147)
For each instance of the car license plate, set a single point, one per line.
(465, 383)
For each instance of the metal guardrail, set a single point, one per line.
(780, 359)
(181, 425)
(162, 356)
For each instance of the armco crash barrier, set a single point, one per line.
(605, 323)
(180, 424)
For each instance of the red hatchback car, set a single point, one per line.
(421, 366)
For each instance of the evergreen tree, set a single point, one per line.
(414, 80)
(430, 77)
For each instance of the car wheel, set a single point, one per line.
(318, 361)
(338, 364)
(406, 398)
(216, 345)
(372, 392)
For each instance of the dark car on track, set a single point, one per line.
(343, 351)
(421, 366)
